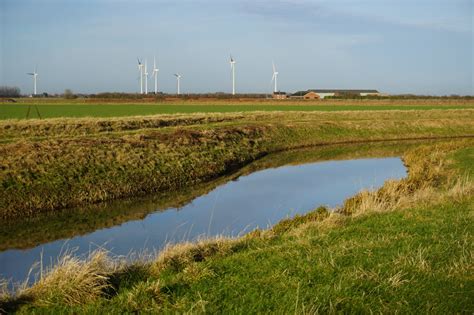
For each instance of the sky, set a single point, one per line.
(91, 46)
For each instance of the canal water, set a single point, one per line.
(255, 200)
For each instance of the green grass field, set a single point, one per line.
(19, 111)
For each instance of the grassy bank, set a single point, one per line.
(55, 108)
(58, 163)
(406, 248)
(68, 223)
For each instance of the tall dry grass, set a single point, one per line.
(72, 280)
(67, 127)
(430, 180)
(178, 256)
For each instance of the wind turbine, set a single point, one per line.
(140, 69)
(146, 77)
(178, 80)
(275, 78)
(232, 68)
(154, 74)
(34, 74)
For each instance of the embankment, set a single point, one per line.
(59, 163)
(71, 222)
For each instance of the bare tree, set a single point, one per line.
(68, 94)
(9, 91)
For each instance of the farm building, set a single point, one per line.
(312, 96)
(320, 94)
(280, 95)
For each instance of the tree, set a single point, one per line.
(69, 95)
(9, 91)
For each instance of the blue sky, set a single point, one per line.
(395, 46)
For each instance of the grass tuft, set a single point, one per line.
(178, 256)
(73, 281)
(144, 297)
(317, 215)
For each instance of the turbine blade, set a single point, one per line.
(274, 69)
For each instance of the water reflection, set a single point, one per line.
(258, 199)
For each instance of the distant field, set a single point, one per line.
(81, 109)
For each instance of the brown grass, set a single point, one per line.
(72, 280)
(66, 127)
(430, 181)
(178, 256)
(428, 172)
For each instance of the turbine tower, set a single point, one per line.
(145, 74)
(154, 74)
(140, 69)
(34, 74)
(232, 68)
(275, 78)
(178, 81)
